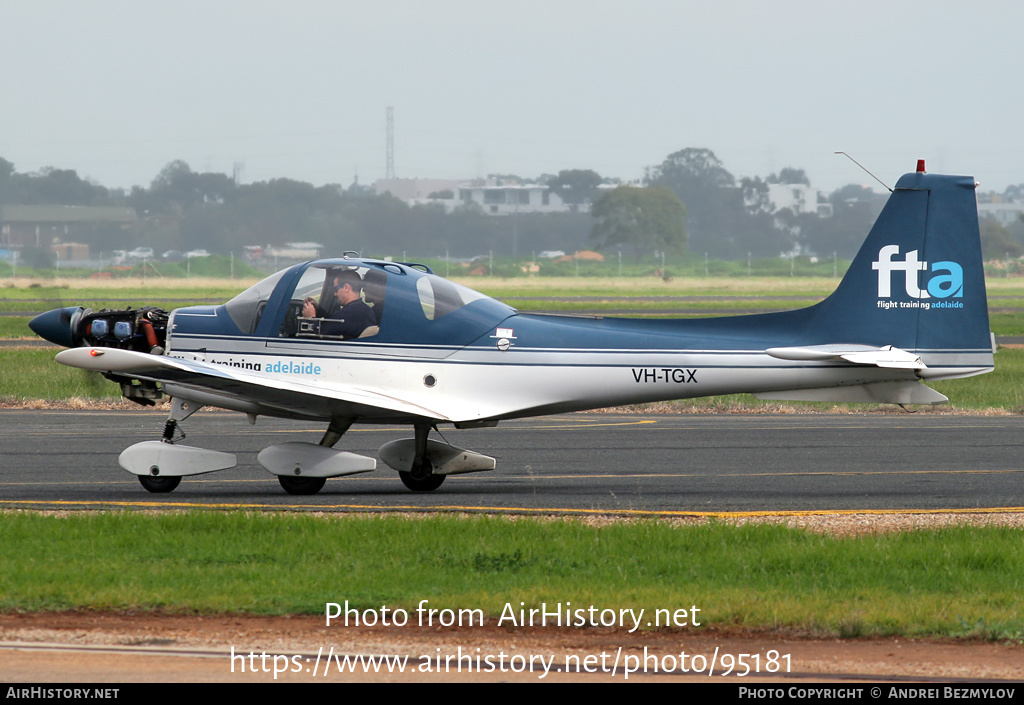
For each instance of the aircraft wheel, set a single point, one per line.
(421, 479)
(160, 484)
(301, 485)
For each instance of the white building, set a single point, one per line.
(491, 196)
(1004, 212)
(799, 198)
(508, 200)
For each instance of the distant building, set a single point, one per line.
(281, 255)
(799, 198)
(1003, 212)
(491, 196)
(70, 251)
(506, 200)
(41, 226)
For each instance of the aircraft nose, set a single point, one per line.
(58, 326)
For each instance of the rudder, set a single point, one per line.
(918, 281)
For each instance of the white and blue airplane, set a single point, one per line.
(911, 308)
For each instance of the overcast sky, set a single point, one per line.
(117, 89)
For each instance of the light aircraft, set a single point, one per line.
(911, 308)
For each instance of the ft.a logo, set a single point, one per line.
(946, 280)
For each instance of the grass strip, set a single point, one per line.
(955, 582)
(31, 374)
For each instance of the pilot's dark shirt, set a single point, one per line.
(349, 321)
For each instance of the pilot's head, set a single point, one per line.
(349, 284)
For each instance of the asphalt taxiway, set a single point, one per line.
(598, 463)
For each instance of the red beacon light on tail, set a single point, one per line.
(920, 166)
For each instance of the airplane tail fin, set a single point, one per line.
(917, 284)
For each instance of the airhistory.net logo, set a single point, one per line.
(944, 280)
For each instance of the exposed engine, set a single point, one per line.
(142, 330)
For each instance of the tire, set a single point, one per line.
(420, 481)
(158, 484)
(301, 485)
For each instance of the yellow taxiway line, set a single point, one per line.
(448, 508)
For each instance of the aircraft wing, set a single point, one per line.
(887, 356)
(293, 396)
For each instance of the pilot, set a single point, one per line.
(330, 304)
(352, 316)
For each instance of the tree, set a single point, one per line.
(1014, 192)
(854, 209)
(691, 169)
(997, 242)
(707, 189)
(50, 185)
(576, 186)
(179, 188)
(755, 195)
(789, 175)
(645, 219)
(6, 172)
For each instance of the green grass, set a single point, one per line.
(951, 582)
(114, 295)
(213, 266)
(15, 327)
(1000, 389)
(31, 373)
(108, 300)
(1007, 323)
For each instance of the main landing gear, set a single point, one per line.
(423, 464)
(160, 465)
(420, 477)
(301, 468)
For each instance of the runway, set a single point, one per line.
(616, 464)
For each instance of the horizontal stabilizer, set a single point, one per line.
(903, 392)
(887, 356)
(299, 459)
(445, 459)
(159, 459)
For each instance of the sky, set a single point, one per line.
(117, 89)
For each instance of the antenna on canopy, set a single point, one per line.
(865, 170)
